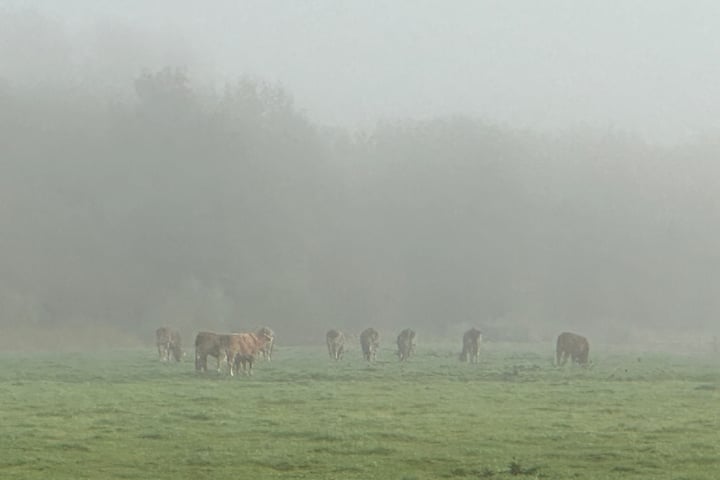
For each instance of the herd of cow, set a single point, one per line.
(239, 350)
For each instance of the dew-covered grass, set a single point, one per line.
(123, 414)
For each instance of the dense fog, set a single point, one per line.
(139, 188)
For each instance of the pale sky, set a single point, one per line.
(650, 67)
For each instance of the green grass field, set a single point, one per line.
(123, 414)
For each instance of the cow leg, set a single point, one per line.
(230, 366)
(564, 358)
(200, 362)
(236, 365)
(220, 358)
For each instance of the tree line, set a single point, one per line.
(228, 208)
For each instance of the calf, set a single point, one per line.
(471, 346)
(168, 341)
(574, 346)
(267, 349)
(212, 344)
(335, 341)
(406, 344)
(369, 342)
(242, 348)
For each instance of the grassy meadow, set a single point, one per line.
(123, 414)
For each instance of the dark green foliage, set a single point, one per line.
(228, 209)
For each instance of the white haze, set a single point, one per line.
(526, 167)
(647, 67)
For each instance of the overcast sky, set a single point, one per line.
(650, 67)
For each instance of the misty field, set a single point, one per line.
(123, 414)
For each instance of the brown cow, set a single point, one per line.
(168, 341)
(267, 349)
(369, 342)
(574, 346)
(471, 346)
(335, 340)
(242, 348)
(406, 344)
(209, 343)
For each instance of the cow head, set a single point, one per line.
(581, 357)
(264, 336)
(266, 331)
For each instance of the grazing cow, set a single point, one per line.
(209, 343)
(471, 346)
(574, 346)
(162, 341)
(406, 344)
(369, 342)
(267, 349)
(242, 348)
(168, 341)
(335, 343)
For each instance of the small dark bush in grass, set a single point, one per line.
(464, 472)
(459, 472)
(516, 468)
(486, 473)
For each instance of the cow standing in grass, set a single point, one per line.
(267, 349)
(369, 342)
(212, 344)
(168, 341)
(573, 346)
(242, 349)
(335, 344)
(471, 346)
(406, 344)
